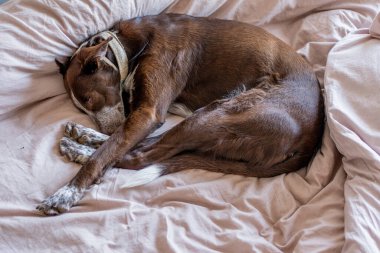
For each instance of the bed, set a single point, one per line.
(331, 205)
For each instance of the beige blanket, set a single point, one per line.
(331, 205)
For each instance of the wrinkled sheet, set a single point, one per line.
(352, 88)
(330, 206)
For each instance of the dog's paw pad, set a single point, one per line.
(73, 130)
(84, 140)
(68, 128)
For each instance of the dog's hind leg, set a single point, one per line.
(260, 137)
(203, 162)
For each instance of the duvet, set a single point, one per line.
(332, 205)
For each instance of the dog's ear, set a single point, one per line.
(100, 50)
(62, 65)
(93, 61)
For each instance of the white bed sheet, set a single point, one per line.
(317, 209)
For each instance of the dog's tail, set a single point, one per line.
(195, 161)
(145, 175)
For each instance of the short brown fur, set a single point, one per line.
(258, 105)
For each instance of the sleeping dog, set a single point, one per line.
(253, 106)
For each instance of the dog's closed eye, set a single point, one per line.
(86, 100)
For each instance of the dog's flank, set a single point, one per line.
(256, 105)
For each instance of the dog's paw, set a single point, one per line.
(83, 135)
(74, 151)
(61, 201)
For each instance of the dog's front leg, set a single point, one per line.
(138, 125)
(155, 88)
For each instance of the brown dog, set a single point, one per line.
(258, 109)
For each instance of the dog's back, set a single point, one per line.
(221, 58)
(218, 55)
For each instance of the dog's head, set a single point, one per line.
(93, 85)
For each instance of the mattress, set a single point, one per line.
(329, 206)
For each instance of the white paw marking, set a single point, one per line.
(74, 151)
(61, 201)
(84, 135)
